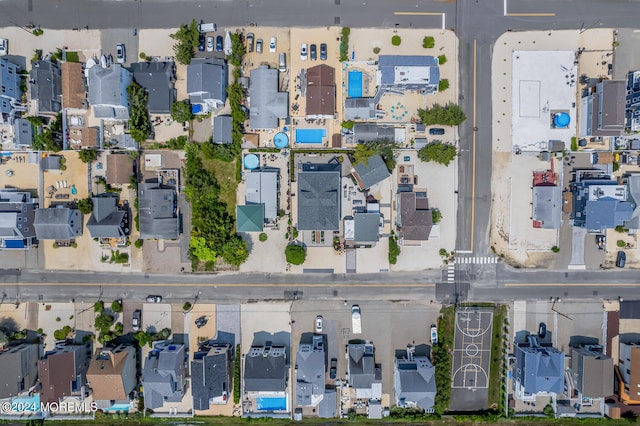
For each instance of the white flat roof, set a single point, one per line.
(541, 84)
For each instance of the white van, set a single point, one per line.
(207, 28)
(282, 67)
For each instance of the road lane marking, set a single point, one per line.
(424, 14)
(573, 285)
(473, 166)
(46, 284)
(531, 14)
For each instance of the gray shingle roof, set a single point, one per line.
(359, 108)
(547, 206)
(10, 82)
(58, 223)
(210, 376)
(387, 66)
(222, 129)
(369, 173)
(108, 91)
(414, 219)
(106, 220)
(592, 372)
(366, 132)
(46, 86)
(157, 79)
(265, 372)
(310, 370)
(267, 105)
(23, 131)
(327, 409)
(362, 368)
(207, 80)
(19, 363)
(607, 213)
(367, 227)
(539, 369)
(164, 375)
(262, 188)
(158, 212)
(319, 201)
(415, 382)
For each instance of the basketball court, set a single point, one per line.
(472, 349)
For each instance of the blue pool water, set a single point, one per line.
(355, 84)
(119, 407)
(281, 140)
(310, 135)
(28, 403)
(272, 404)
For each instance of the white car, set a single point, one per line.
(319, 324)
(4, 46)
(272, 45)
(121, 55)
(434, 334)
(210, 44)
(303, 52)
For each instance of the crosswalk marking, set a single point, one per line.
(478, 259)
(451, 273)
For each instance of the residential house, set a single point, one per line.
(603, 109)
(370, 132)
(600, 204)
(211, 377)
(262, 187)
(364, 227)
(265, 371)
(414, 219)
(222, 129)
(158, 212)
(408, 72)
(112, 375)
(119, 169)
(51, 162)
(365, 376)
(370, 172)
(19, 372)
(55, 223)
(311, 366)
(628, 372)
(547, 207)
(414, 381)
(22, 134)
(319, 198)
(164, 375)
(157, 78)
(74, 86)
(539, 370)
(108, 91)
(10, 91)
(591, 373)
(267, 105)
(359, 109)
(63, 371)
(46, 87)
(207, 84)
(250, 218)
(632, 110)
(17, 215)
(321, 92)
(108, 219)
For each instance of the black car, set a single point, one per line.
(201, 321)
(542, 330)
(436, 131)
(323, 51)
(219, 43)
(201, 42)
(621, 259)
(334, 368)
(314, 52)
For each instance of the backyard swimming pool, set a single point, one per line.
(310, 135)
(272, 404)
(355, 84)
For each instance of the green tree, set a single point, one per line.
(116, 306)
(348, 124)
(436, 215)
(363, 152)
(103, 322)
(263, 237)
(396, 40)
(394, 250)
(98, 306)
(139, 123)
(138, 243)
(85, 205)
(235, 251)
(200, 249)
(186, 41)
(442, 59)
(88, 155)
(295, 254)
(448, 115)
(428, 42)
(237, 50)
(443, 85)
(181, 111)
(442, 153)
(4, 339)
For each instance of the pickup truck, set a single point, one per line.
(207, 28)
(355, 319)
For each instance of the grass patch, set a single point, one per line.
(495, 379)
(225, 174)
(72, 57)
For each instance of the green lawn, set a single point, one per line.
(72, 57)
(495, 381)
(226, 176)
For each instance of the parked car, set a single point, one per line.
(219, 43)
(434, 334)
(436, 131)
(121, 53)
(250, 38)
(201, 42)
(319, 324)
(210, 44)
(303, 52)
(314, 52)
(272, 45)
(137, 318)
(542, 330)
(323, 51)
(201, 321)
(621, 259)
(154, 299)
(259, 46)
(282, 62)
(207, 28)
(601, 241)
(333, 370)
(4, 46)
